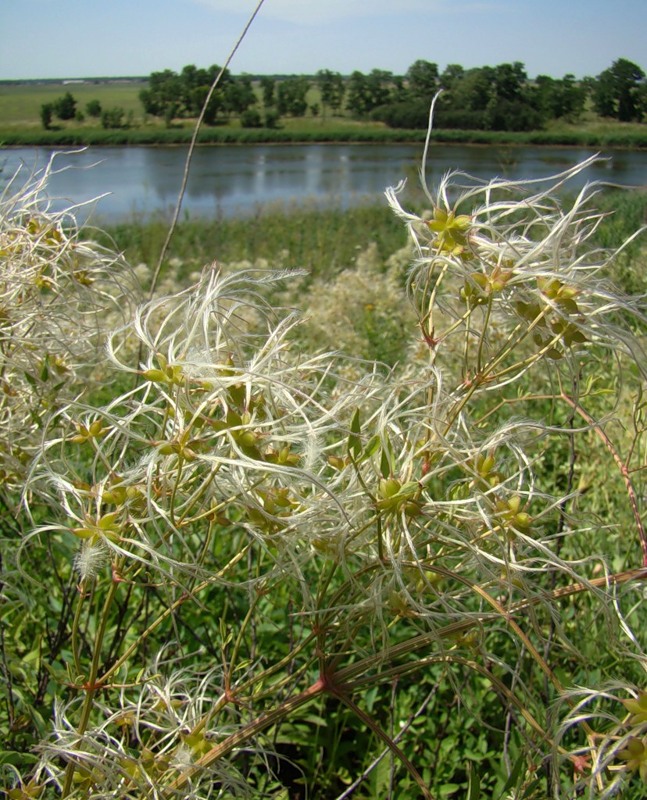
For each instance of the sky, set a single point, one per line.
(96, 38)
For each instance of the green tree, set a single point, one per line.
(170, 95)
(557, 99)
(451, 75)
(193, 81)
(164, 89)
(171, 111)
(422, 79)
(271, 119)
(65, 107)
(467, 96)
(357, 94)
(379, 83)
(489, 98)
(512, 105)
(604, 99)
(46, 113)
(509, 81)
(251, 118)
(474, 89)
(267, 86)
(572, 97)
(510, 115)
(218, 103)
(291, 96)
(618, 91)
(367, 92)
(239, 95)
(331, 86)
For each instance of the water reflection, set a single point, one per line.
(235, 180)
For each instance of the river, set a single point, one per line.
(240, 180)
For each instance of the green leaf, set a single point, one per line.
(513, 778)
(473, 781)
(529, 790)
(17, 759)
(388, 457)
(385, 466)
(372, 446)
(354, 439)
(30, 380)
(44, 370)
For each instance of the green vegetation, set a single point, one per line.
(20, 102)
(480, 105)
(603, 136)
(321, 242)
(241, 558)
(328, 242)
(620, 92)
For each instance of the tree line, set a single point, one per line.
(487, 98)
(481, 98)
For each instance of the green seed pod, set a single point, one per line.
(154, 375)
(388, 487)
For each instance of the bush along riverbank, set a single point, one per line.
(154, 135)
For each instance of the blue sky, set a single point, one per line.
(85, 38)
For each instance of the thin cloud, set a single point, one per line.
(317, 12)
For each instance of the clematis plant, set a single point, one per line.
(247, 532)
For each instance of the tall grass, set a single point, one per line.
(323, 242)
(330, 133)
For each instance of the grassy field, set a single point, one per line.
(20, 103)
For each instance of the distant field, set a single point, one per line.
(20, 104)
(20, 124)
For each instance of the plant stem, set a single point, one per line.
(91, 685)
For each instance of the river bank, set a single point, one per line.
(324, 242)
(613, 137)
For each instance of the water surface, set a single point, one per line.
(238, 180)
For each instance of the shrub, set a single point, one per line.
(46, 113)
(272, 118)
(112, 118)
(251, 118)
(512, 115)
(93, 108)
(411, 114)
(461, 119)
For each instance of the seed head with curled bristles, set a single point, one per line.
(58, 289)
(505, 255)
(226, 426)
